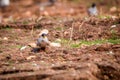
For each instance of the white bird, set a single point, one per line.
(52, 2)
(42, 40)
(92, 11)
(4, 3)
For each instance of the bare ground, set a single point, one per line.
(93, 62)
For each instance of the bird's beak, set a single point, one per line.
(44, 36)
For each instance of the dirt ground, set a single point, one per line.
(69, 24)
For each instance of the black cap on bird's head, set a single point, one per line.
(93, 5)
(43, 35)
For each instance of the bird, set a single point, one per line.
(47, 4)
(93, 11)
(43, 41)
(4, 3)
(52, 2)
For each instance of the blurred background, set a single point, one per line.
(20, 9)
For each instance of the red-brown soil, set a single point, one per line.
(95, 62)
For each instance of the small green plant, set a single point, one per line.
(25, 22)
(7, 27)
(114, 34)
(16, 46)
(64, 41)
(103, 17)
(58, 28)
(116, 22)
(78, 44)
(10, 63)
(114, 41)
(75, 45)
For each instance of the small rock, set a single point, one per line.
(66, 33)
(53, 65)
(28, 13)
(30, 57)
(113, 26)
(86, 18)
(110, 52)
(46, 13)
(5, 38)
(23, 48)
(55, 44)
(34, 64)
(42, 61)
(42, 8)
(113, 9)
(114, 17)
(14, 68)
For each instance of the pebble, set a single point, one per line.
(22, 48)
(113, 26)
(5, 38)
(30, 57)
(42, 8)
(46, 13)
(34, 64)
(55, 44)
(110, 52)
(113, 9)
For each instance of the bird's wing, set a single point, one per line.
(39, 40)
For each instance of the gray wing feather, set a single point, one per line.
(41, 39)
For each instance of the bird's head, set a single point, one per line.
(44, 35)
(93, 5)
